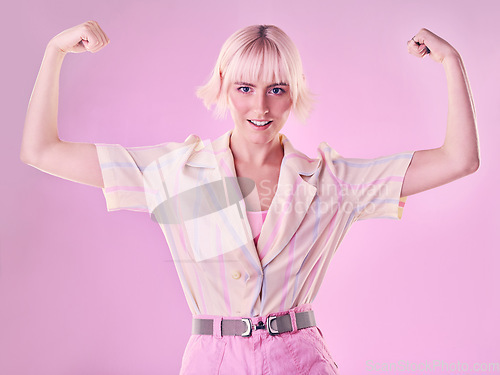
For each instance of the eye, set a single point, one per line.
(244, 89)
(277, 91)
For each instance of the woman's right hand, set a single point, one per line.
(87, 36)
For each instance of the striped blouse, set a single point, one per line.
(191, 190)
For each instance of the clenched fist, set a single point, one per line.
(85, 37)
(426, 42)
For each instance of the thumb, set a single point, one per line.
(81, 46)
(85, 44)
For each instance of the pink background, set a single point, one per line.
(84, 291)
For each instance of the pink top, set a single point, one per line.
(256, 219)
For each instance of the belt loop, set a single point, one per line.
(294, 320)
(217, 327)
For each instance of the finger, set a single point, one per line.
(414, 48)
(86, 40)
(106, 39)
(93, 41)
(98, 41)
(416, 45)
(417, 41)
(421, 36)
(103, 39)
(99, 33)
(417, 53)
(412, 43)
(423, 49)
(79, 47)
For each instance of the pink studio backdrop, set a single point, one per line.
(84, 291)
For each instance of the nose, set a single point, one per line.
(261, 107)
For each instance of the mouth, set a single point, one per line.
(260, 124)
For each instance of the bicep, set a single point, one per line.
(72, 161)
(429, 169)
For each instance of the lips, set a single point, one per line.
(259, 123)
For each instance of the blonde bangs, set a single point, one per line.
(260, 61)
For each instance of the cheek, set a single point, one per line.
(284, 106)
(238, 104)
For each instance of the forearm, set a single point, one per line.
(461, 141)
(40, 127)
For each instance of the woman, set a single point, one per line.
(252, 223)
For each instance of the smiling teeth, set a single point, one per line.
(260, 123)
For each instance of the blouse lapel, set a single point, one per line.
(217, 156)
(296, 190)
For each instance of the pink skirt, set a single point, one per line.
(301, 351)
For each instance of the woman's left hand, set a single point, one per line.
(425, 42)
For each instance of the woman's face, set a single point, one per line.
(259, 109)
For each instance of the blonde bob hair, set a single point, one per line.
(259, 52)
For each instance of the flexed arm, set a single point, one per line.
(459, 154)
(41, 146)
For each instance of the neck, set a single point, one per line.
(257, 154)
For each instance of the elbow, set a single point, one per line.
(32, 153)
(27, 151)
(30, 157)
(25, 157)
(462, 163)
(474, 162)
(474, 166)
(29, 154)
(469, 167)
(29, 160)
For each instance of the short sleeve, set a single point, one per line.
(123, 170)
(371, 188)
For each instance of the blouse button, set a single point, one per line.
(236, 275)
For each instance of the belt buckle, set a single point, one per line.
(248, 330)
(249, 326)
(272, 332)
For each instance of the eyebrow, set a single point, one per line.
(252, 85)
